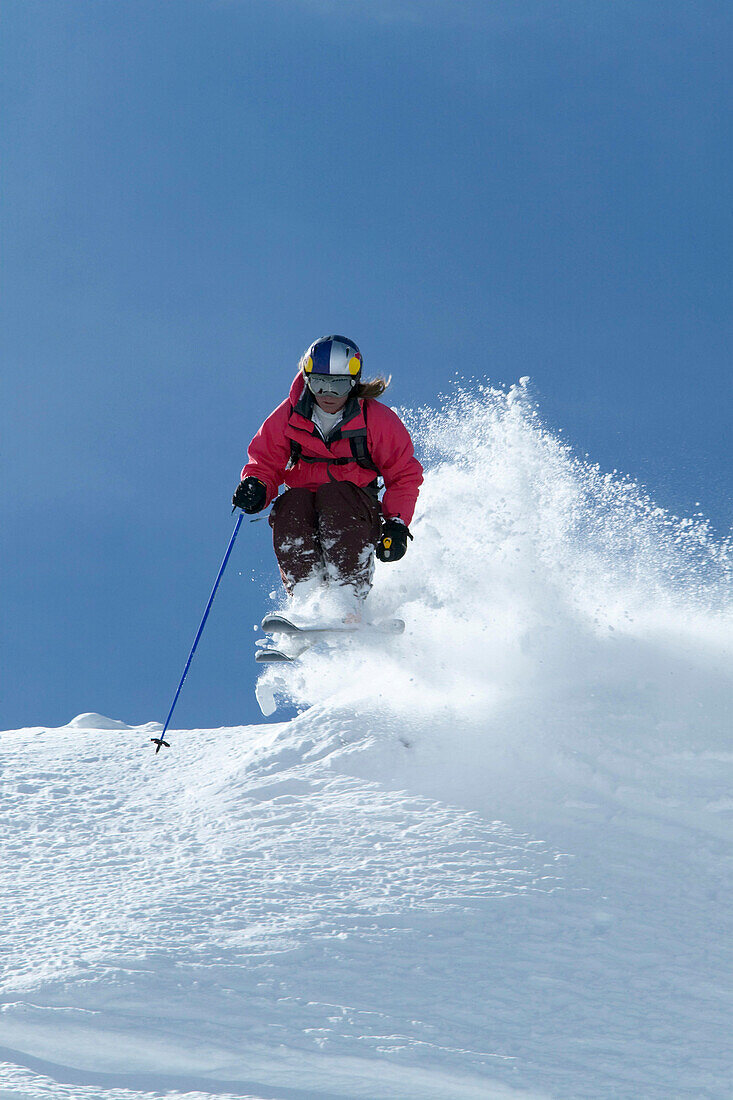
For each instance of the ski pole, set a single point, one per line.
(160, 741)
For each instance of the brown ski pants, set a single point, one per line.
(329, 534)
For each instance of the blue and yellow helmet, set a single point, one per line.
(334, 355)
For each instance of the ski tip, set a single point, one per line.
(278, 624)
(272, 657)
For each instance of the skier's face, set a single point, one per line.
(330, 402)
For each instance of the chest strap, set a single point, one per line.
(359, 449)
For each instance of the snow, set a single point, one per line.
(92, 721)
(489, 858)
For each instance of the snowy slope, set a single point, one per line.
(494, 860)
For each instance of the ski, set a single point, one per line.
(281, 624)
(274, 657)
(297, 638)
(287, 649)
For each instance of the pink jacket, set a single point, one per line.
(388, 440)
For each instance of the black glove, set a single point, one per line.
(393, 540)
(250, 496)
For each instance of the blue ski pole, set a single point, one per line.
(160, 741)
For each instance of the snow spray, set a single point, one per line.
(534, 574)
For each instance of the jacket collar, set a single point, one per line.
(305, 402)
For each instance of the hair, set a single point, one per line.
(375, 388)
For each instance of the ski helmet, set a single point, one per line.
(336, 357)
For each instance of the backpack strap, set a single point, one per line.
(357, 440)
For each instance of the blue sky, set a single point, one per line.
(195, 191)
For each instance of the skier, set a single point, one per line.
(329, 442)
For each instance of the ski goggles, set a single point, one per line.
(338, 385)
